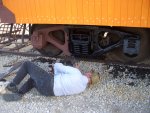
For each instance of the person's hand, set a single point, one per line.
(89, 76)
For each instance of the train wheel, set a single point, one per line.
(144, 52)
(50, 50)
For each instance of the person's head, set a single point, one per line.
(93, 76)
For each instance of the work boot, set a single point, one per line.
(3, 80)
(3, 85)
(12, 87)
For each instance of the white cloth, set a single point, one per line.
(68, 80)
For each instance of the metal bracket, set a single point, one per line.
(131, 45)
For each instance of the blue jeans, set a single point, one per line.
(39, 78)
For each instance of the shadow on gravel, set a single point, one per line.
(12, 97)
(133, 73)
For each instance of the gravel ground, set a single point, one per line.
(113, 94)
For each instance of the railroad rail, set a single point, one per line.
(88, 59)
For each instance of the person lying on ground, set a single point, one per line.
(66, 80)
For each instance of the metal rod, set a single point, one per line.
(24, 28)
(30, 27)
(10, 33)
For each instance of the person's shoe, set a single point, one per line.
(3, 80)
(3, 85)
(12, 87)
(12, 97)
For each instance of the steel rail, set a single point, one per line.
(88, 59)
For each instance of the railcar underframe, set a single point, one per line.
(90, 41)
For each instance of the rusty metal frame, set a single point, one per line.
(10, 33)
(41, 37)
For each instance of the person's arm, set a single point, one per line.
(60, 68)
